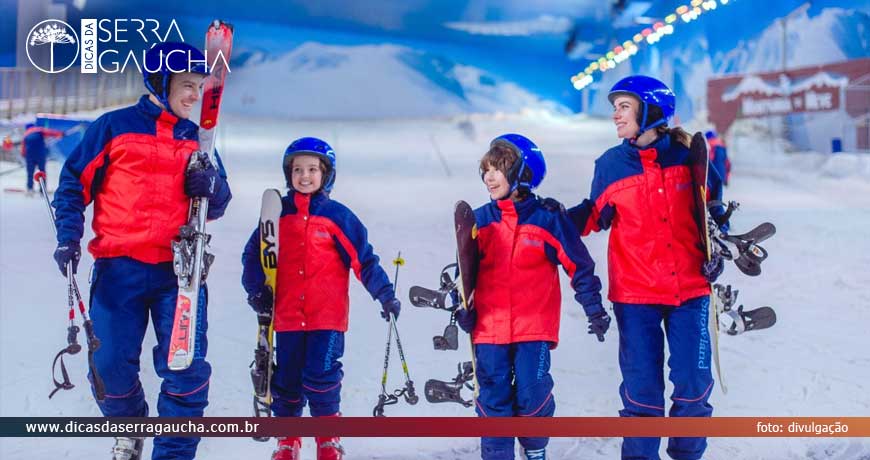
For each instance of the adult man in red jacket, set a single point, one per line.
(132, 165)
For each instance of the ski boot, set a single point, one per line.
(288, 449)
(534, 454)
(329, 448)
(127, 448)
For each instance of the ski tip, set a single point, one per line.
(218, 23)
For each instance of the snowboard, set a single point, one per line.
(699, 164)
(467, 254)
(263, 364)
(467, 259)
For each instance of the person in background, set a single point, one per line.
(719, 156)
(34, 150)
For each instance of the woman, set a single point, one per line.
(642, 190)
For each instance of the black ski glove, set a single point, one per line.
(203, 183)
(68, 252)
(713, 268)
(599, 323)
(391, 306)
(466, 319)
(552, 204)
(261, 302)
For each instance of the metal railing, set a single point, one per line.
(26, 90)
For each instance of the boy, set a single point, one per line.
(514, 321)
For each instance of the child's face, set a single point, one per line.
(625, 116)
(306, 175)
(496, 184)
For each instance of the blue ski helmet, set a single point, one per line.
(657, 101)
(311, 146)
(710, 134)
(167, 58)
(529, 157)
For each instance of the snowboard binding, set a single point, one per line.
(445, 298)
(737, 321)
(438, 391)
(746, 246)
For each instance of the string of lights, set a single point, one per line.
(651, 35)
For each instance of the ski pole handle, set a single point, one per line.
(398, 262)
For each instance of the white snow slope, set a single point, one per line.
(402, 178)
(319, 81)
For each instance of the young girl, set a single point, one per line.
(321, 240)
(643, 189)
(515, 317)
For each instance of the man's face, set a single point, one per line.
(185, 90)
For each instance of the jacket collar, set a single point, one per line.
(184, 128)
(305, 202)
(651, 152)
(520, 208)
(661, 144)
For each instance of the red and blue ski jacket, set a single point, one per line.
(647, 197)
(131, 164)
(319, 242)
(33, 145)
(517, 295)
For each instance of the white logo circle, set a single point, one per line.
(53, 32)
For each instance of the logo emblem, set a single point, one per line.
(57, 35)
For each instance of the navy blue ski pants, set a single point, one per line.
(641, 360)
(308, 371)
(31, 168)
(514, 381)
(124, 292)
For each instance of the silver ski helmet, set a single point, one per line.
(315, 147)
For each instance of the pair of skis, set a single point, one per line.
(190, 260)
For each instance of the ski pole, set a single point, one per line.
(410, 394)
(73, 346)
(385, 399)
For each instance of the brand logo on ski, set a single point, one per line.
(270, 254)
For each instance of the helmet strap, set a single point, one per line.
(164, 93)
(515, 173)
(642, 121)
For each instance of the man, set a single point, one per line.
(132, 164)
(34, 150)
